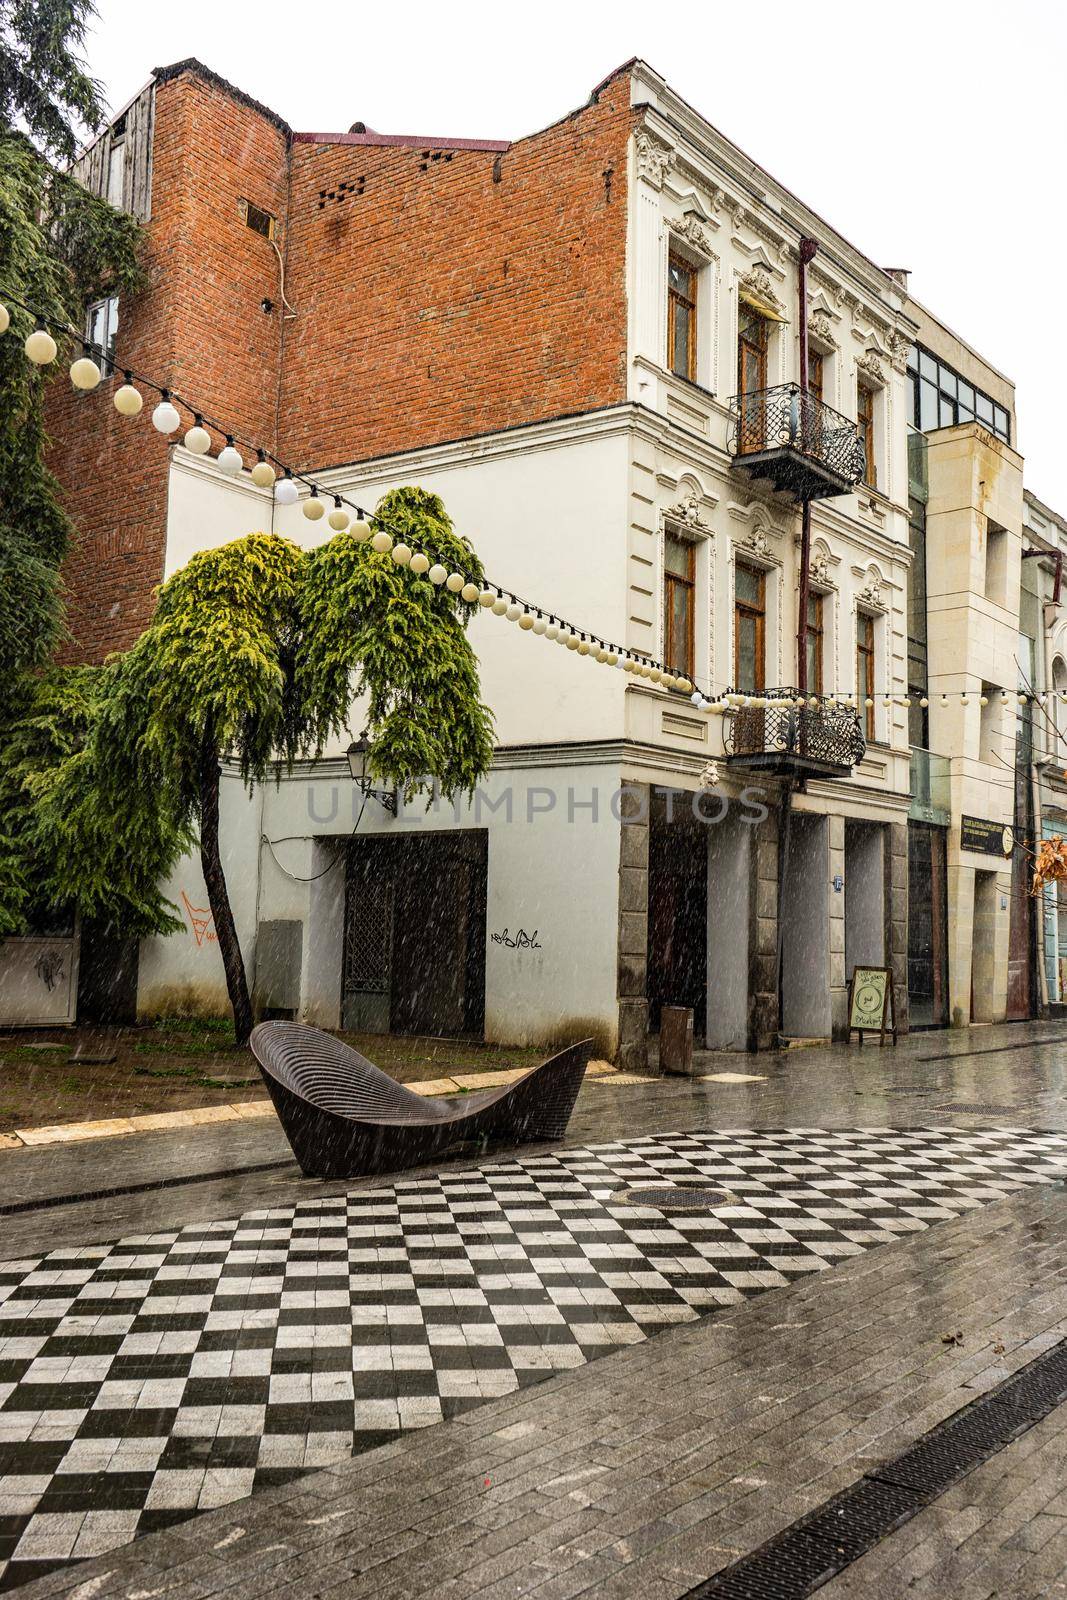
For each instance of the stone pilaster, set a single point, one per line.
(632, 1054)
(837, 976)
(763, 1018)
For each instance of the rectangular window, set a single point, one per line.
(815, 370)
(116, 172)
(865, 423)
(865, 669)
(101, 327)
(814, 636)
(682, 318)
(749, 629)
(679, 583)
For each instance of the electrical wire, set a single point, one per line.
(111, 359)
(294, 838)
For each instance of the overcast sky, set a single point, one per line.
(930, 134)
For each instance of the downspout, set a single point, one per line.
(808, 248)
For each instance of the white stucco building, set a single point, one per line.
(662, 524)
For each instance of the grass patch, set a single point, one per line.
(213, 1045)
(24, 1052)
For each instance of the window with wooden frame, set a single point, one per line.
(679, 590)
(865, 670)
(682, 318)
(814, 635)
(865, 424)
(815, 374)
(750, 621)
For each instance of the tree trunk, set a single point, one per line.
(218, 898)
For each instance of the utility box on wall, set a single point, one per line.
(38, 982)
(279, 951)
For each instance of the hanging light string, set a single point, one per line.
(88, 370)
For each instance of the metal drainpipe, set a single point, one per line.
(808, 249)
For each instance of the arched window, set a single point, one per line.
(1059, 709)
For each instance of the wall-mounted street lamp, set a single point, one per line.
(357, 762)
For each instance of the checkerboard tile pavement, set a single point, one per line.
(149, 1379)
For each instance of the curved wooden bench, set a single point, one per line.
(344, 1117)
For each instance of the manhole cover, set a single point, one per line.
(675, 1197)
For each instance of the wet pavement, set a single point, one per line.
(886, 1232)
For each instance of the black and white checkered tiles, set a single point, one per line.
(143, 1381)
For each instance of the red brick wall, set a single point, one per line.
(199, 326)
(483, 292)
(441, 303)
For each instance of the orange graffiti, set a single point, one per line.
(201, 920)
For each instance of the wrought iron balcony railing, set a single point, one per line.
(800, 443)
(789, 733)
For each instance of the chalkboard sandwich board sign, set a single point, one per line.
(870, 1003)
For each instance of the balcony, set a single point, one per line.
(803, 446)
(784, 738)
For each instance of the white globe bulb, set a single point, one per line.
(469, 592)
(486, 598)
(513, 612)
(455, 582)
(360, 531)
(165, 418)
(437, 573)
(84, 373)
(128, 400)
(526, 622)
(552, 632)
(338, 519)
(229, 461)
(540, 625)
(381, 541)
(584, 647)
(5, 319)
(198, 440)
(262, 474)
(572, 641)
(401, 554)
(500, 606)
(419, 562)
(40, 347)
(313, 508)
(286, 492)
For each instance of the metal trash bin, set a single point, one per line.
(676, 1040)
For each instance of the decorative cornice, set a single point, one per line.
(869, 364)
(653, 158)
(686, 512)
(821, 329)
(758, 283)
(899, 346)
(694, 234)
(871, 593)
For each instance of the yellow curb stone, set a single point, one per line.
(67, 1133)
(183, 1119)
(10, 1141)
(434, 1086)
(597, 1069)
(623, 1077)
(488, 1080)
(253, 1108)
